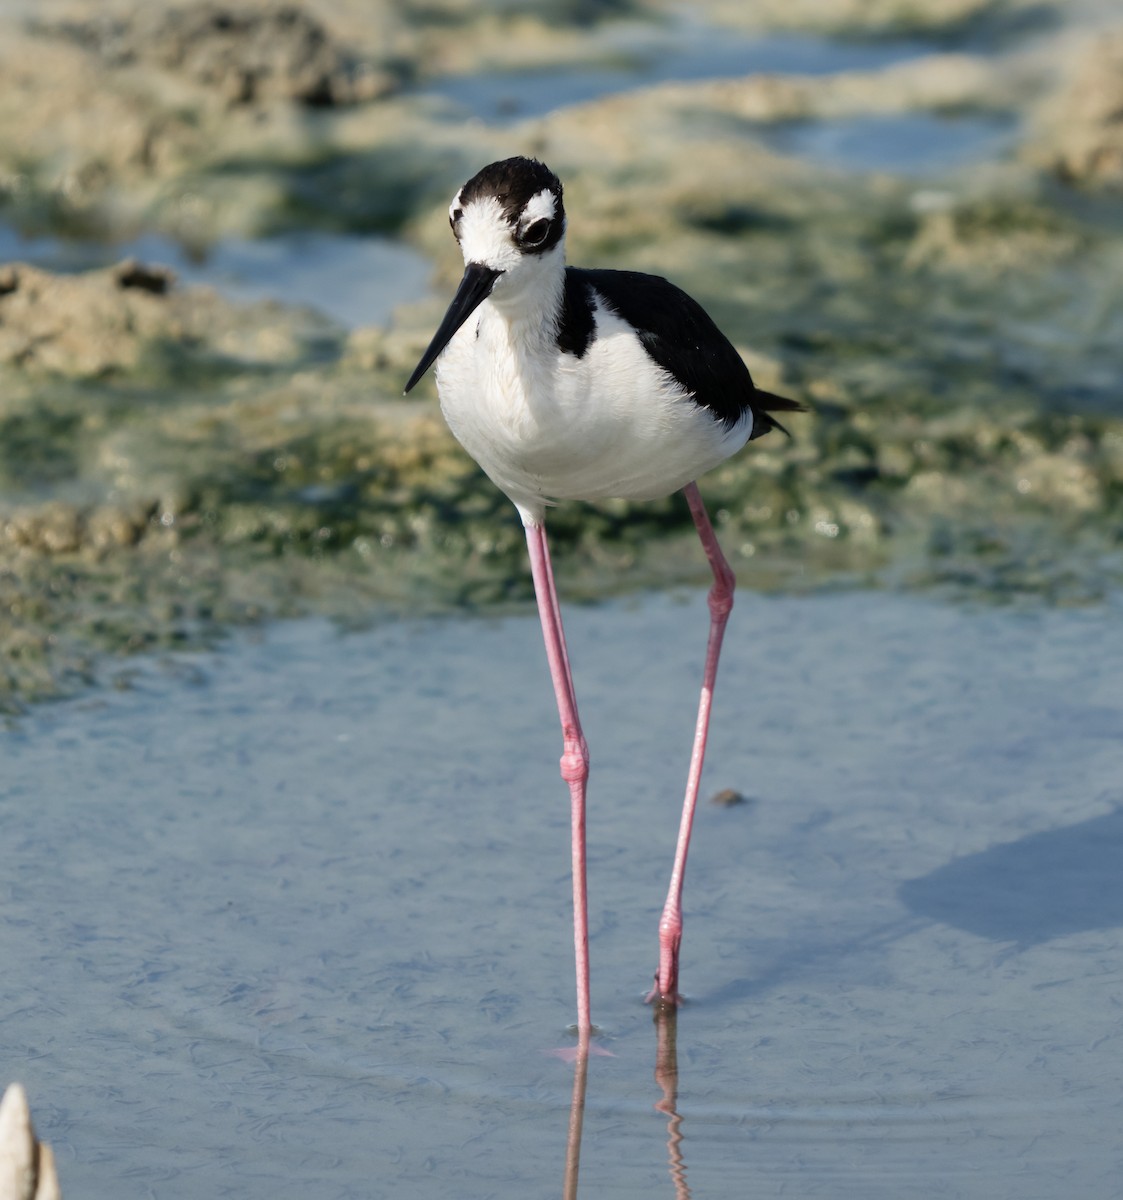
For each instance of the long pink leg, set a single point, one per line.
(575, 754)
(721, 602)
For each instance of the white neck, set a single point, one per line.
(531, 294)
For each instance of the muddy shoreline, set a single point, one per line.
(172, 463)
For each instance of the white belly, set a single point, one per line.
(549, 426)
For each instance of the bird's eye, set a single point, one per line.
(454, 216)
(535, 233)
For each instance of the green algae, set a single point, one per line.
(264, 493)
(171, 465)
(943, 448)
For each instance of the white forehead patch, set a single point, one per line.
(541, 204)
(485, 236)
(455, 205)
(484, 230)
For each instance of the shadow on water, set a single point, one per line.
(1043, 886)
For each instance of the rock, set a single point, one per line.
(98, 323)
(932, 83)
(133, 274)
(1079, 128)
(27, 1166)
(248, 53)
(856, 18)
(81, 325)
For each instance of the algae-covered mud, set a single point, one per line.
(174, 458)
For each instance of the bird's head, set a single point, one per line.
(509, 222)
(509, 215)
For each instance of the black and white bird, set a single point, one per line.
(573, 384)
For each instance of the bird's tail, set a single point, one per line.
(764, 404)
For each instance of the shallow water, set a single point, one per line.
(900, 143)
(905, 143)
(639, 57)
(355, 279)
(359, 279)
(293, 918)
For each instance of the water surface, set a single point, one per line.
(901, 143)
(293, 919)
(639, 57)
(356, 279)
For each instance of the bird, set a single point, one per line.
(571, 383)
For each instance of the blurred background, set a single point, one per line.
(224, 242)
(285, 902)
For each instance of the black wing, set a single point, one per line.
(679, 335)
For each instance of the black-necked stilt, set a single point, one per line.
(573, 384)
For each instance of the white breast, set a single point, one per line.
(549, 426)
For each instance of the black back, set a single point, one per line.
(679, 335)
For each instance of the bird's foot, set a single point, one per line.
(664, 999)
(665, 992)
(586, 1046)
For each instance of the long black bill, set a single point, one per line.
(474, 289)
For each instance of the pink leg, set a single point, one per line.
(721, 602)
(575, 754)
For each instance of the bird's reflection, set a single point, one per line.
(666, 1076)
(576, 1118)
